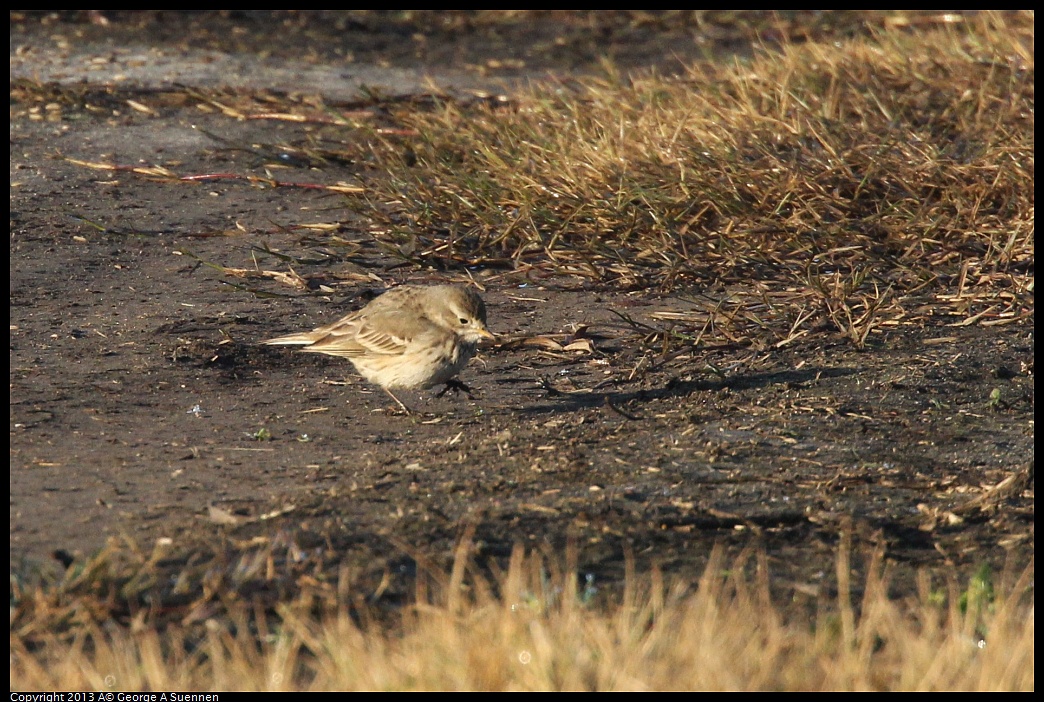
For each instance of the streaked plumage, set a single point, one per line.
(412, 336)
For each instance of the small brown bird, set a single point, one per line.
(413, 336)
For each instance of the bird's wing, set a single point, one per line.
(389, 332)
(384, 332)
(337, 332)
(386, 326)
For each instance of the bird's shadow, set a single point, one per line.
(622, 402)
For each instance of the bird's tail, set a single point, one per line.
(291, 340)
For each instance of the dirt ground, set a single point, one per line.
(142, 406)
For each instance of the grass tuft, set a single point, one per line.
(897, 162)
(535, 626)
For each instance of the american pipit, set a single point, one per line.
(413, 336)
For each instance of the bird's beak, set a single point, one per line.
(487, 334)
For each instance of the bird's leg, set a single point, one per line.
(456, 386)
(397, 400)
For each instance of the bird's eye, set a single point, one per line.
(464, 320)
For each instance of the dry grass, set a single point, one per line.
(856, 181)
(896, 147)
(535, 628)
